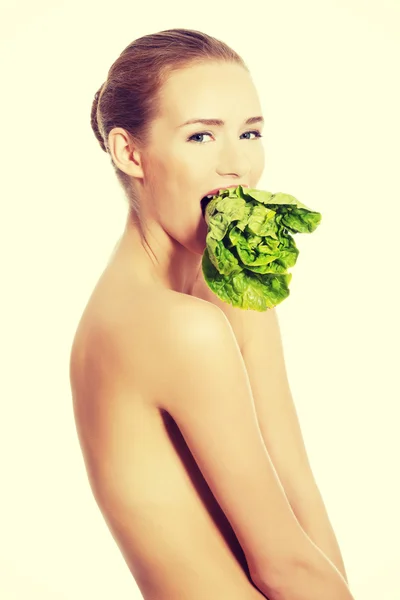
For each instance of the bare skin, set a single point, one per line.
(198, 556)
(174, 537)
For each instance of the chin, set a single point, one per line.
(197, 242)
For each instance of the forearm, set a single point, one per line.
(312, 516)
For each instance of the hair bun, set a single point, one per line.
(94, 120)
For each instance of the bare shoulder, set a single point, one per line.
(194, 316)
(197, 342)
(131, 339)
(193, 323)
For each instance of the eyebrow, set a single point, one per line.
(219, 122)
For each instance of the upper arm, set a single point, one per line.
(279, 423)
(208, 394)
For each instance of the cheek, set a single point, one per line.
(260, 162)
(152, 169)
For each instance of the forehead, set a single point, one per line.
(210, 90)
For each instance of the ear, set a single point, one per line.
(125, 153)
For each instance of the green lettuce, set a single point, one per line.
(249, 246)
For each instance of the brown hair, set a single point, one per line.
(129, 98)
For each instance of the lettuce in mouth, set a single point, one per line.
(249, 245)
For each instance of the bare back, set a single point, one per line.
(172, 532)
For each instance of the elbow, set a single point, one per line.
(277, 580)
(270, 578)
(304, 577)
(273, 567)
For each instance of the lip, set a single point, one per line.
(217, 190)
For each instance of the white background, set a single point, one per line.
(328, 77)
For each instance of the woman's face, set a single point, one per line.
(184, 162)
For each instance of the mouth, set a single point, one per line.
(206, 199)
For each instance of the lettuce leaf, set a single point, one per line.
(249, 245)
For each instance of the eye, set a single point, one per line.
(256, 133)
(190, 139)
(197, 135)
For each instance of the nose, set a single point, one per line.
(233, 160)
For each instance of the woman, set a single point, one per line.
(203, 494)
